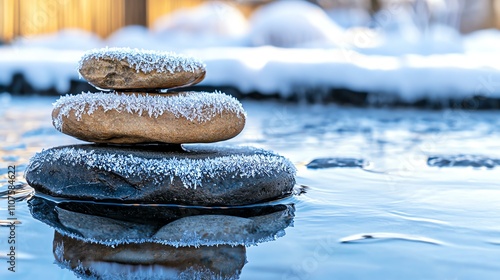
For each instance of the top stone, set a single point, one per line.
(134, 69)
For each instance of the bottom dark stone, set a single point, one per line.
(201, 175)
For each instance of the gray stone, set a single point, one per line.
(202, 175)
(320, 163)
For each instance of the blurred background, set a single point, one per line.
(103, 17)
(361, 51)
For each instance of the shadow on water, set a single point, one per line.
(125, 241)
(148, 260)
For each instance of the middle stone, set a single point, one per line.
(131, 118)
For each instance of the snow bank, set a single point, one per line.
(43, 68)
(402, 31)
(213, 23)
(293, 24)
(289, 71)
(67, 39)
(398, 58)
(349, 17)
(215, 18)
(483, 41)
(133, 36)
(438, 39)
(271, 70)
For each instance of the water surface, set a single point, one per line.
(397, 215)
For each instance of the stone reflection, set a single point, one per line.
(148, 260)
(134, 241)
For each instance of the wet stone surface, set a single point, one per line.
(320, 163)
(201, 175)
(462, 161)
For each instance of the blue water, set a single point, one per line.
(396, 217)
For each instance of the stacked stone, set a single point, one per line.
(146, 126)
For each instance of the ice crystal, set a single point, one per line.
(146, 61)
(194, 106)
(59, 251)
(192, 172)
(187, 241)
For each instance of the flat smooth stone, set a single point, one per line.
(131, 118)
(205, 175)
(125, 68)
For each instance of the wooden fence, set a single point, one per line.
(30, 17)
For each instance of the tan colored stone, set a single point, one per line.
(125, 69)
(130, 118)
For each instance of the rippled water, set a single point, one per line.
(393, 193)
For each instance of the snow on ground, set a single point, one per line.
(270, 70)
(213, 23)
(287, 51)
(67, 39)
(43, 68)
(285, 71)
(293, 24)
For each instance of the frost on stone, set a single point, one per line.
(194, 106)
(146, 61)
(192, 172)
(59, 251)
(192, 231)
(187, 241)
